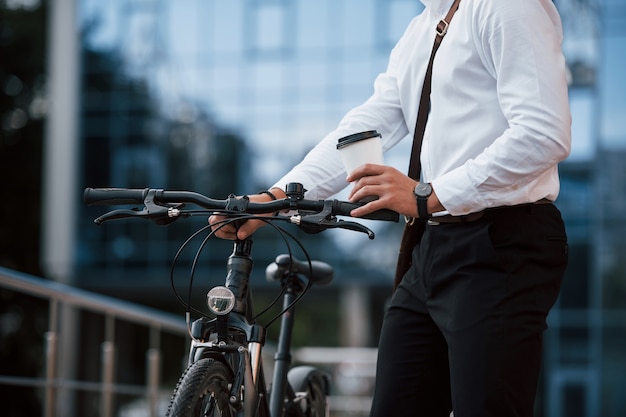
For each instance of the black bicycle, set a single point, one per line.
(225, 373)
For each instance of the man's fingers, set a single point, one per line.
(365, 170)
(221, 229)
(248, 228)
(366, 209)
(245, 230)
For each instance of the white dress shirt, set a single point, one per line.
(499, 121)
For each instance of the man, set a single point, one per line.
(463, 330)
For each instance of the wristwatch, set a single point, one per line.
(422, 191)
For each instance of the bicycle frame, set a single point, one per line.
(222, 338)
(225, 372)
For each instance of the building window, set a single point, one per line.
(269, 30)
(392, 19)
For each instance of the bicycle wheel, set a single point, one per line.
(203, 390)
(312, 401)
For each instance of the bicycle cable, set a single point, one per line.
(285, 235)
(307, 286)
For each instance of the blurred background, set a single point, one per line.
(223, 97)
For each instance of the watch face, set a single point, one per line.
(423, 189)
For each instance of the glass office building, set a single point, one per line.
(219, 97)
(224, 96)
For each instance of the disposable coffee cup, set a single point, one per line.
(361, 148)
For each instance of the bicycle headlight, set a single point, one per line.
(220, 300)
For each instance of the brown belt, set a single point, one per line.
(448, 218)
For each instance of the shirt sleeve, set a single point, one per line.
(321, 171)
(520, 46)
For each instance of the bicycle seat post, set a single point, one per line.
(282, 358)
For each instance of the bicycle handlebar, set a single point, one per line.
(128, 196)
(114, 196)
(164, 206)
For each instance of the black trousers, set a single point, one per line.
(463, 330)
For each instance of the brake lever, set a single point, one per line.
(116, 214)
(316, 222)
(161, 215)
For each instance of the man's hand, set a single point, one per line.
(393, 189)
(229, 231)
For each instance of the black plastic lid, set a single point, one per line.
(347, 140)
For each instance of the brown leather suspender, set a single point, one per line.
(415, 165)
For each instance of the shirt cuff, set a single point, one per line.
(457, 193)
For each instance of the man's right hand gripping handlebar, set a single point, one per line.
(312, 222)
(232, 231)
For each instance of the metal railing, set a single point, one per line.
(62, 298)
(352, 369)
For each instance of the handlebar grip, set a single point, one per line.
(343, 208)
(114, 196)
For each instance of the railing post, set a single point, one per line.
(51, 355)
(108, 367)
(153, 378)
(51, 358)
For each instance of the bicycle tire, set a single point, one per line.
(313, 401)
(202, 390)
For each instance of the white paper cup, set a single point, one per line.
(361, 148)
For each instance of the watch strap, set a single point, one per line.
(422, 207)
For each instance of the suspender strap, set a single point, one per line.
(415, 165)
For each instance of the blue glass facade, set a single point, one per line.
(224, 96)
